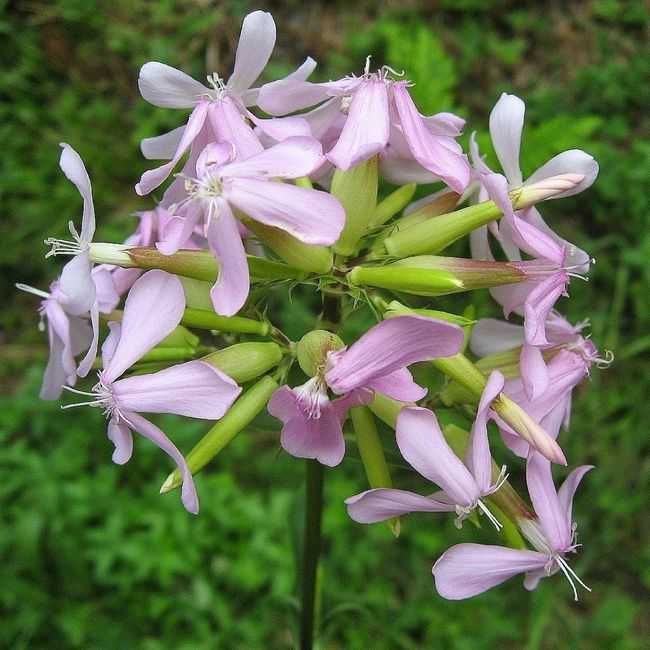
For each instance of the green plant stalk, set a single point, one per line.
(392, 204)
(245, 361)
(202, 319)
(314, 475)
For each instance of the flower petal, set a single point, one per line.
(120, 435)
(422, 444)
(466, 570)
(568, 489)
(76, 282)
(87, 362)
(301, 73)
(491, 335)
(162, 147)
(447, 124)
(311, 216)
(155, 292)
(167, 87)
(55, 374)
(573, 161)
(389, 346)
(230, 291)
(75, 171)
(229, 125)
(384, 503)
(539, 303)
(254, 50)
(506, 125)
(534, 373)
(366, 129)
(194, 389)
(152, 432)
(398, 385)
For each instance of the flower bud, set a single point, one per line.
(245, 361)
(208, 320)
(356, 189)
(442, 203)
(197, 293)
(395, 308)
(239, 416)
(392, 204)
(312, 350)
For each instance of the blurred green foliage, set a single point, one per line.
(93, 557)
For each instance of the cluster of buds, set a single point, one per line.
(184, 334)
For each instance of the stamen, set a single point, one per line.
(62, 247)
(570, 574)
(386, 69)
(37, 292)
(366, 69)
(486, 511)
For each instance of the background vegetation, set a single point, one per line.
(92, 556)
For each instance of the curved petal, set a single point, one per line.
(423, 446)
(399, 385)
(154, 292)
(466, 570)
(574, 161)
(477, 456)
(389, 346)
(534, 373)
(538, 304)
(447, 124)
(149, 430)
(230, 291)
(400, 171)
(177, 232)
(75, 171)
(110, 342)
(162, 147)
(281, 128)
(194, 389)
(549, 510)
(55, 375)
(76, 283)
(292, 158)
(120, 435)
(568, 489)
(490, 336)
(107, 295)
(380, 504)
(87, 362)
(167, 87)
(289, 95)
(312, 216)
(229, 125)
(506, 126)
(254, 50)
(301, 73)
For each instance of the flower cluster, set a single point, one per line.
(242, 208)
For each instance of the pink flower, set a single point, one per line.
(506, 125)
(219, 112)
(374, 114)
(193, 389)
(466, 570)
(376, 362)
(424, 447)
(250, 186)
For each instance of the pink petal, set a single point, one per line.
(230, 291)
(326, 121)
(162, 147)
(291, 158)
(229, 125)
(57, 370)
(194, 389)
(466, 570)
(177, 232)
(568, 489)
(534, 373)
(301, 73)
(120, 435)
(281, 128)
(155, 292)
(254, 49)
(573, 161)
(110, 342)
(87, 362)
(389, 346)
(538, 305)
(164, 86)
(549, 510)
(77, 284)
(75, 170)
(442, 156)
(106, 292)
(477, 457)
(490, 336)
(152, 432)
(399, 385)
(153, 178)
(400, 171)
(366, 129)
(214, 154)
(506, 125)
(422, 444)
(444, 124)
(383, 503)
(311, 216)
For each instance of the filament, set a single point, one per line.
(32, 290)
(486, 511)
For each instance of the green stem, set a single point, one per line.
(311, 551)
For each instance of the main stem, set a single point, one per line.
(311, 551)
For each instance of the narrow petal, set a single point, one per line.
(107, 296)
(110, 342)
(301, 73)
(152, 432)
(442, 156)
(167, 87)
(162, 147)
(506, 125)
(383, 503)
(444, 124)
(76, 282)
(367, 128)
(466, 570)
(120, 435)
(289, 95)
(153, 178)
(549, 510)
(155, 292)
(391, 345)
(574, 161)
(477, 457)
(399, 385)
(539, 304)
(281, 128)
(490, 336)
(194, 389)
(291, 158)
(422, 444)
(254, 49)
(87, 362)
(568, 489)
(534, 373)
(230, 291)
(75, 170)
(311, 216)
(54, 377)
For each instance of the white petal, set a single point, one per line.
(167, 87)
(162, 147)
(506, 125)
(574, 161)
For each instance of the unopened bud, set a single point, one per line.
(395, 308)
(245, 361)
(392, 204)
(312, 350)
(208, 320)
